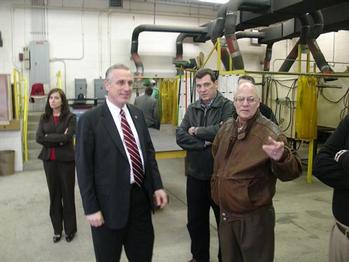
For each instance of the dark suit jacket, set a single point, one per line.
(50, 135)
(102, 166)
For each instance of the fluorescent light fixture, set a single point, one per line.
(215, 1)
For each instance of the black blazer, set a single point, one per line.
(50, 135)
(102, 166)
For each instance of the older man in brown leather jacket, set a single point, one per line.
(250, 153)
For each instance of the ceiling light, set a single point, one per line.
(215, 1)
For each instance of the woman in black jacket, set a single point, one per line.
(55, 133)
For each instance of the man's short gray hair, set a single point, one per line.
(114, 67)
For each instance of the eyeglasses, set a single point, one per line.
(249, 99)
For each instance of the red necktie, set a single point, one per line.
(132, 149)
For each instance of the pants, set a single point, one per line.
(137, 236)
(60, 177)
(249, 238)
(339, 245)
(199, 202)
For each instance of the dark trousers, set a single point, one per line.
(199, 202)
(249, 238)
(137, 236)
(60, 177)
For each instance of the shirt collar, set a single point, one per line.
(114, 109)
(207, 105)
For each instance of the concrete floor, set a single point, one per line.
(302, 230)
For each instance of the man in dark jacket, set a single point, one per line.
(196, 134)
(332, 168)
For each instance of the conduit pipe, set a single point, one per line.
(231, 40)
(267, 59)
(179, 42)
(304, 37)
(157, 28)
(319, 58)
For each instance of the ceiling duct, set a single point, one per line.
(115, 3)
(38, 2)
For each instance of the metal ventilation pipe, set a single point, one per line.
(319, 58)
(157, 28)
(231, 40)
(303, 40)
(268, 53)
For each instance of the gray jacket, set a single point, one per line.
(149, 106)
(199, 161)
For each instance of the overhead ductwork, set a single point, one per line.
(238, 15)
(267, 59)
(308, 36)
(157, 28)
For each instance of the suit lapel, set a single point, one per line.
(109, 124)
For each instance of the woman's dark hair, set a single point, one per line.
(64, 107)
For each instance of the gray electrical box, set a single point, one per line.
(80, 88)
(100, 91)
(39, 63)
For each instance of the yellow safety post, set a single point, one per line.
(59, 83)
(299, 58)
(310, 162)
(16, 93)
(24, 84)
(311, 142)
(306, 111)
(308, 61)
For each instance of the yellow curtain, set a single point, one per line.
(306, 110)
(169, 101)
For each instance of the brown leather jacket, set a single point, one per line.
(244, 176)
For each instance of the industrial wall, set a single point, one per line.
(85, 37)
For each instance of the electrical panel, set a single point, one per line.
(99, 88)
(80, 88)
(39, 62)
(26, 58)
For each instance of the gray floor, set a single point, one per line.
(302, 229)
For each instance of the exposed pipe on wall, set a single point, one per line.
(157, 28)
(179, 43)
(268, 55)
(313, 46)
(303, 39)
(305, 30)
(231, 40)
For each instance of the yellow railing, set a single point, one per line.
(16, 93)
(59, 83)
(24, 84)
(21, 97)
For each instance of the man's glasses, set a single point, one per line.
(249, 99)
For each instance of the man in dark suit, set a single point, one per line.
(117, 173)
